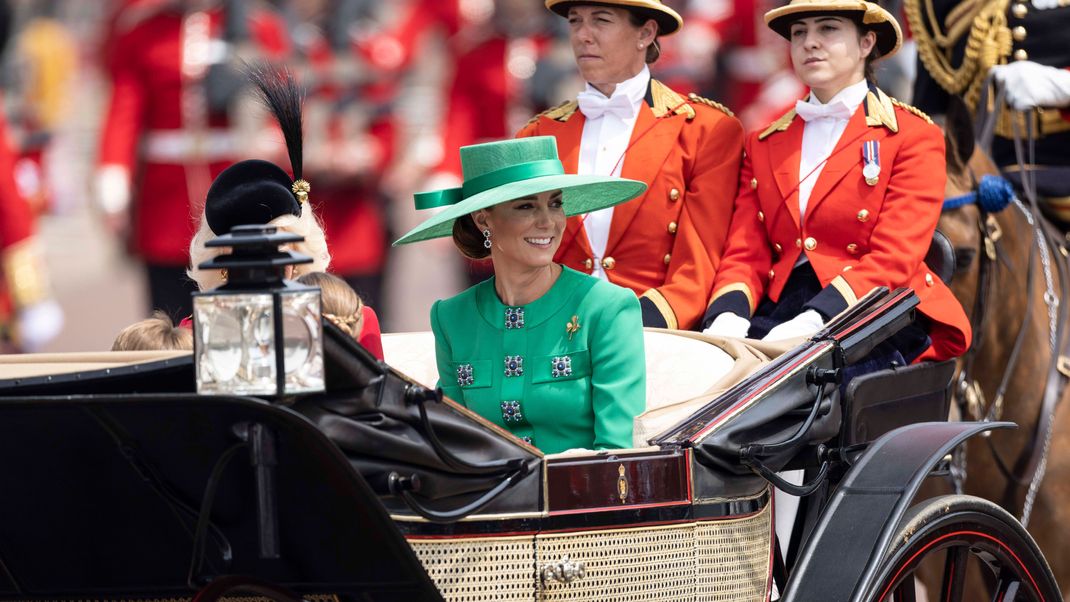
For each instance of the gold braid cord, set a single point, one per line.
(988, 44)
(711, 103)
(912, 109)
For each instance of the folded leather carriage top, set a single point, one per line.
(419, 451)
(147, 496)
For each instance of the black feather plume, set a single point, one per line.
(278, 90)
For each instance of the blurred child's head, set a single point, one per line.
(157, 333)
(340, 303)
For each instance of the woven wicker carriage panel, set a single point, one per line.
(733, 558)
(480, 569)
(624, 565)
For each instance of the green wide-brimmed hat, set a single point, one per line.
(497, 172)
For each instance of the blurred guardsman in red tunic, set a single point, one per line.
(667, 244)
(838, 196)
(167, 132)
(350, 136)
(29, 317)
(46, 59)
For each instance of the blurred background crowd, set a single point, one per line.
(120, 112)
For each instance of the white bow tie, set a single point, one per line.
(810, 111)
(593, 105)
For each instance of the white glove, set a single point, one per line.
(113, 196)
(728, 324)
(113, 189)
(802, 325)
(1030, 85)
(38, 324)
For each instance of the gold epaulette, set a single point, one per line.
(779, 125)
(880, 111)
(559, 113)
(710, 103)
(22, 266)
(666, 99)
(912, 109)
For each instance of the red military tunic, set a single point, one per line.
(667, 244)
(157, 128)
(349, 143)
(22, 279)
(857, 236)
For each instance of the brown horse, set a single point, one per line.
(1010, 273)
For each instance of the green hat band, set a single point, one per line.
(487, 181)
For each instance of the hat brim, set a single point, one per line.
(669, 21)
(579, 194)
(889, 35)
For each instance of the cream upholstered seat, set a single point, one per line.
(47, 364)
(412, 354)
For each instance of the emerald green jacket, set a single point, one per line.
(566, 370)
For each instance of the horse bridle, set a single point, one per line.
(970, 398)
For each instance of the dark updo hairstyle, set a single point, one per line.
(469, 239)
(638, 18)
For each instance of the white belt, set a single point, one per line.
(181, 146)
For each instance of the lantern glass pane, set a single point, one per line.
(235, 344)
(303, 341)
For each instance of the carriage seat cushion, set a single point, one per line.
(678, 367)
(941, 257)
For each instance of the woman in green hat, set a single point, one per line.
(552, 355)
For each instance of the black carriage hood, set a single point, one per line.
(105, 472)
(102, 496)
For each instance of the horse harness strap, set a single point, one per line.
(1058, 313)
(970, 392)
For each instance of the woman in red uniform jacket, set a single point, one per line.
(666, 244)
(840, 195)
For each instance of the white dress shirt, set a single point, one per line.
(602, 145)
(820, 135)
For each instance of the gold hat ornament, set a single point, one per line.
(889, 36)
(669, 21)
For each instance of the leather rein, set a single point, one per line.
(969, 396)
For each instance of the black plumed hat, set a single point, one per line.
(249, 192)
(256, 191)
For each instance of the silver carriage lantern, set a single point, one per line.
(258, 333)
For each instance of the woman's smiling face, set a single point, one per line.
(525, 232)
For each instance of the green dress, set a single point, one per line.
(564, 371)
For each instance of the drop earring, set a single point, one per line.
(486, 238)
